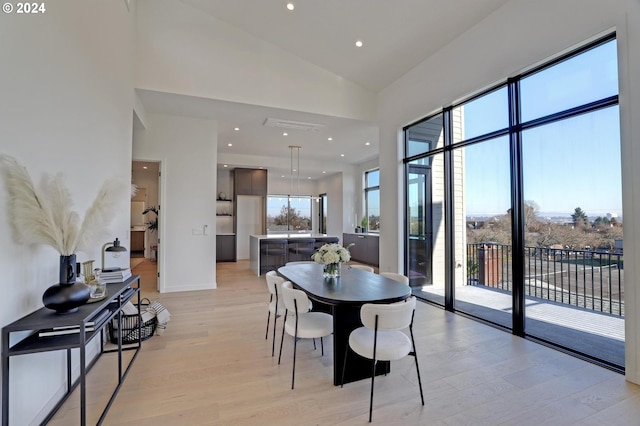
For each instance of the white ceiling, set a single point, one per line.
(397, 35)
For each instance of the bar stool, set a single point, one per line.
(320, 241)
(301, 248)
(273, 254)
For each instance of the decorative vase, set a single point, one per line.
(331, 270)
(68, 269)
(67, 295)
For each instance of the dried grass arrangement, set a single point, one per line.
(43, 215)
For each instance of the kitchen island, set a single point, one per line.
(264, 255)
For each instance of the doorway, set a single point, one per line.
(145, 215)
(419, 225)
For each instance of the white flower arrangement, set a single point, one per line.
(331, 253)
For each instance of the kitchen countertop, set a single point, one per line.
(369, 234)
(289, 235)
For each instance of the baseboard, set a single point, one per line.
(195, 287)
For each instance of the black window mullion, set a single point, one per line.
(517, 210)
(449, 214)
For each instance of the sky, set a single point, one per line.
(569, 164)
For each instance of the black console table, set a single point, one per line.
(91, 319)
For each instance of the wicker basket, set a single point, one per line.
(130, 326)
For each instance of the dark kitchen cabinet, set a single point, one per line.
(366, 248)
(225, 248)
(250, 182)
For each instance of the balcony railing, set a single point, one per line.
(588, 279)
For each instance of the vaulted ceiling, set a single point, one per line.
(396, 36)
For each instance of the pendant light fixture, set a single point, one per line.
(295, 170)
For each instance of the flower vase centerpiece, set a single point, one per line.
(43, 215)
(331, 256)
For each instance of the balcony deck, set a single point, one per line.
(594, 334)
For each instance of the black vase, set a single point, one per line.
(66, 296)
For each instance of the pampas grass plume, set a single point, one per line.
(44, 215)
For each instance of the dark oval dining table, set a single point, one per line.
(343, 297)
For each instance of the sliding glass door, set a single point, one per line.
(419, 216)
(514, 205)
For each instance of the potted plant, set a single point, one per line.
(364, 223)
(152, 225)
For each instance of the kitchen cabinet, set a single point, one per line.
(366, 249)
(137, 241)
(250, 182)
(226, 248)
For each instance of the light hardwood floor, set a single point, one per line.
(213, 366)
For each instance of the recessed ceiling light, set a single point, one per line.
(291, 6)
(225, 166)
(309, 177)
(236, 128)
(367, 143)
(229, 144)
(341, 155)
(329, 139)
(285, 134)
(324, 171)
(359, 43)
(145, 167)
(282, 176)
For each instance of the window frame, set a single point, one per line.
(367, 190)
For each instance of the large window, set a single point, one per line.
(288, 214)
(372, 200)
(323, 210)
(514, 205)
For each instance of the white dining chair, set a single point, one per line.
(396, 277)
(381, 338)
(276, 304)
(363, 267)
(302, 324)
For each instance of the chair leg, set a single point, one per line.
(415, 355)
(373, 375)
(314, 344)
(266, 334)
(293, 373)
(322, 346)
(284, 322)
(273, 341)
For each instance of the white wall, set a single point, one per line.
(65, 106)
(507, 42)
(183, 50)
(332, 186)
(187, 149)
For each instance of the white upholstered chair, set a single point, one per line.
(363, 267)
(396, 277)
(276, 304)
(381, 338)
(302, 324)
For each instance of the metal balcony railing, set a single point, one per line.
(588, 279)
